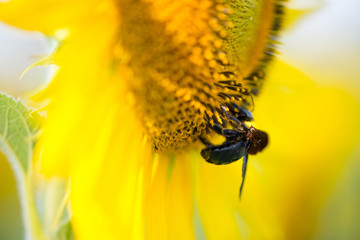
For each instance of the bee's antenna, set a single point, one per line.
(245, 159)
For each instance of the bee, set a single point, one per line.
(240, 141)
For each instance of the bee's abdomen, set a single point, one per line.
(226, 153)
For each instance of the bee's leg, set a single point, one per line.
(205, 141)
(217, 128)
(233, 120)
(243, 113)
(245, 159)
(229, 134)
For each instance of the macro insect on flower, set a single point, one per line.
(148, 88)
(240, 141)
(199, 79)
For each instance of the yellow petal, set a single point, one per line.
(73, 102)
(169, 201)
(49, 16)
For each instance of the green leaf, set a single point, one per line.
(45, 208)
(18, 130)
(19, 127)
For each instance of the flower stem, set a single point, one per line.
(32, 226)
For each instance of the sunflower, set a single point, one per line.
(141, 80)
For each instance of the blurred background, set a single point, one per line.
(323, 43)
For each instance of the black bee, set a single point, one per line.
(240, 142)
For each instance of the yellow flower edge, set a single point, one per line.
(91, 126)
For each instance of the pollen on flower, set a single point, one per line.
(187, 58)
